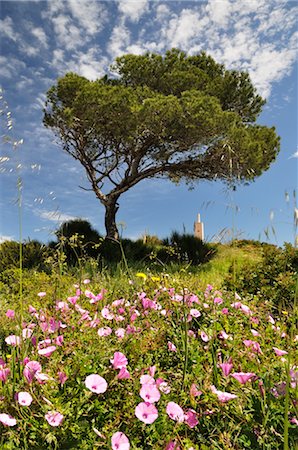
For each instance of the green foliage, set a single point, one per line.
(33, 255)
(273, 278)
(189, 249)
(174, 116)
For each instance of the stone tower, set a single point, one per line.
(199, 228)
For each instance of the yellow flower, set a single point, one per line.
(141, 275)
(155, 278)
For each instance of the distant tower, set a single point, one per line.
(199, 228)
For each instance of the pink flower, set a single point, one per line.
(123, 374)
(226, 368)
(47, 351)
(255, 346)
(106, 314)
(4, 373)
(13, 340)
(7, 420)
(175, 412)
(204, 336)
(120, 441)
(105, 331)
(255, 333)
(96, 383)
(86, 281)
(225, 311)
(31, 369)
(41, 294)
(172, 347)
(10, 314)
(279, 352)
(164, 387)
(119, 361)
(218, 300)
(147, 379)
(190, 417)
(62, 377)
(195, 312)
(24, 398)
(223, 397)
(146, 412)
(120, 333)
(223, 335)
(243, 377)
(172, 445)
(194, 392)
(54, 418)
(27, 333)
(150, 393)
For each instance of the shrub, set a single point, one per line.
(274, 278)
(34, 255)
(189, 249)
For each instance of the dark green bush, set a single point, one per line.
(274, 278)
(77, 239)
(34, 255)
(189, 249)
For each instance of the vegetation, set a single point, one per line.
(118, 358)
(180, 117)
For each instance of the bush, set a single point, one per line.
(274, 278)
(189, 249)
(34, 255)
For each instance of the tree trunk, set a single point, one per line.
(112, 207)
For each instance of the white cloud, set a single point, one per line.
(133, 9)
(295, 155)
(119, 41)
(219, 11)
(91, 15)
(10, 67)
(5, 238)
(40, 35)
(184, 28)
(7, 30)
(54, 216)
(162, 11)
(68, 35)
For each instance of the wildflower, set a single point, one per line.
(41, 294)
(190, 417)
(24, 398)
(146, 412)
(120, 333)
(242, 377)
(106, 314)
(255, 346)
(226, 368)
(47, 351)
(62, 377)
(172, 347)
(204, 336)
(120, 441)
(54, 418)
(223, 335)
(279, 352)
(218, 300)
(10, 314)
(194, 312)
(96, 383)
(194, 392)
(254, 332)
(7, 420)
(31, 369)
(164, 387)
(223, 397)
(123, 374)
(172, 445)
(225, 311)
(150, 393)
(86, 281)
(13, 340)
(147, 379)
(141, 275)
(27, 333)
(119, 361)
(175, 412)
(105, 331)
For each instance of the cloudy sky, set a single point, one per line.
(42, 40)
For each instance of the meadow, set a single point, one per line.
(151, 355)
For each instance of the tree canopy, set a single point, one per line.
(176, 116)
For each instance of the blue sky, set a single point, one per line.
(42, 40)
